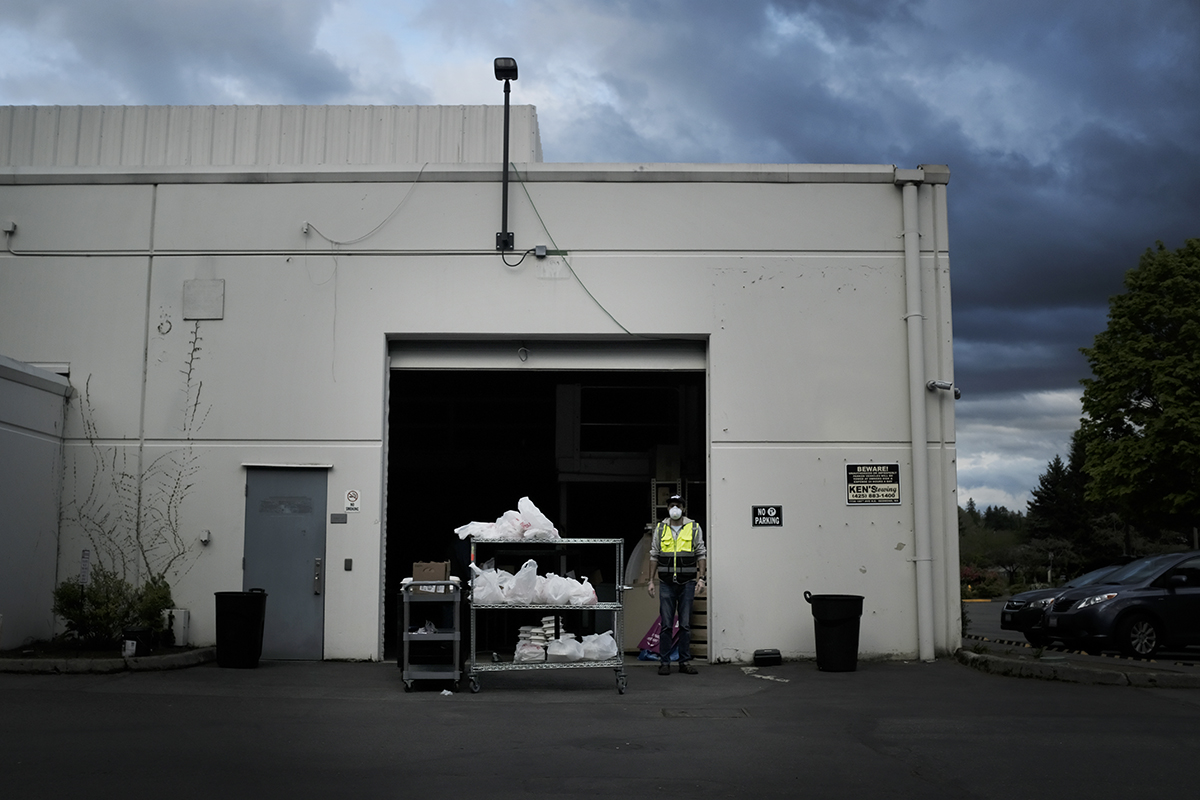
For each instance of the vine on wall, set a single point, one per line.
(130, 511)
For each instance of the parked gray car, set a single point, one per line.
(1025, 611)
(1146, 605)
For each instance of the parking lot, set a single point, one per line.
(320, 729)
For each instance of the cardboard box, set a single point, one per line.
(431, 571)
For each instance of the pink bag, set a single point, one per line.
(650, 640)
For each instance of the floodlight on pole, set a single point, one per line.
(506, 70)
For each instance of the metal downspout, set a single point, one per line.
(946, 576)
(914, 318)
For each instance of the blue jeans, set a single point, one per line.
(675, 598)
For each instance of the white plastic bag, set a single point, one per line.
(503, 577)
(565, 648)
(485, 587)
(538, 524)
(599, 646)
(558, 590)
(510, 525)
(483, 530)
(529, 653)
(583, 594)
(528, 522)
(522, 589)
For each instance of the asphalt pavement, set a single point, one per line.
(327, 729)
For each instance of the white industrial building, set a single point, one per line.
(302, 310)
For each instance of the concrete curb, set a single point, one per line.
(1071, 673)
(100, 666)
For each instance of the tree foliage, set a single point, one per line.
(1060, 509)
(985, 537)
(1141, 429)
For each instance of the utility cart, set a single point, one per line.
(430, 631)
(557, 556)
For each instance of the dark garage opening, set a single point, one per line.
(585, 447)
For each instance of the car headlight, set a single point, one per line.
(1045, 602)
(1091, 601)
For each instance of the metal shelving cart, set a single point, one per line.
(436, 665)
(558, 547)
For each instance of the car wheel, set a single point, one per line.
(1139, 637)
(1036, 639)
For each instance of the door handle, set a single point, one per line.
(318, 575)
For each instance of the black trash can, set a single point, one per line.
(835, 618)
(240, 617)
(143, 639)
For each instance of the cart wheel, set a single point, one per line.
(620, 684)
(474, 682)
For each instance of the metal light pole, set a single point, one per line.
(506, 70)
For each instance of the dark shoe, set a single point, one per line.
(687, 669)
(664, 668)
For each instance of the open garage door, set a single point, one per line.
(583, 429)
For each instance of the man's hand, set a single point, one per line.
(700, 585)
(650, 588)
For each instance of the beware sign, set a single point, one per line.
(872, 484)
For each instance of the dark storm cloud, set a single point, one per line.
(1007, 350)
(180, 52)
(1074, 147)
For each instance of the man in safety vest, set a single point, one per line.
(678, 563)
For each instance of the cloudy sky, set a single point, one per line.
(1071, 127)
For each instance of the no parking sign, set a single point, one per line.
(767, 517)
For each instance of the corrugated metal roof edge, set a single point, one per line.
(460, 173)
(255, 135)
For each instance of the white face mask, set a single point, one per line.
(676, 512)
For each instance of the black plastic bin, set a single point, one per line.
(142, 637)
(240, 617)
(835, 618)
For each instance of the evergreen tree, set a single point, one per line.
(1051, 511)
(999, 518)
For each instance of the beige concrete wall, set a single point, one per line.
(794, 278)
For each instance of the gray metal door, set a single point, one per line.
(285, 555)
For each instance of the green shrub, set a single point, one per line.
(152, 600)
(97, 614)
(990, 587)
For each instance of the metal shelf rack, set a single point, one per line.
(449, 595)
(558, 547)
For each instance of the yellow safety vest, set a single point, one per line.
(676, 559)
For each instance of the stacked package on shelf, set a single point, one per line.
(532, 641)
